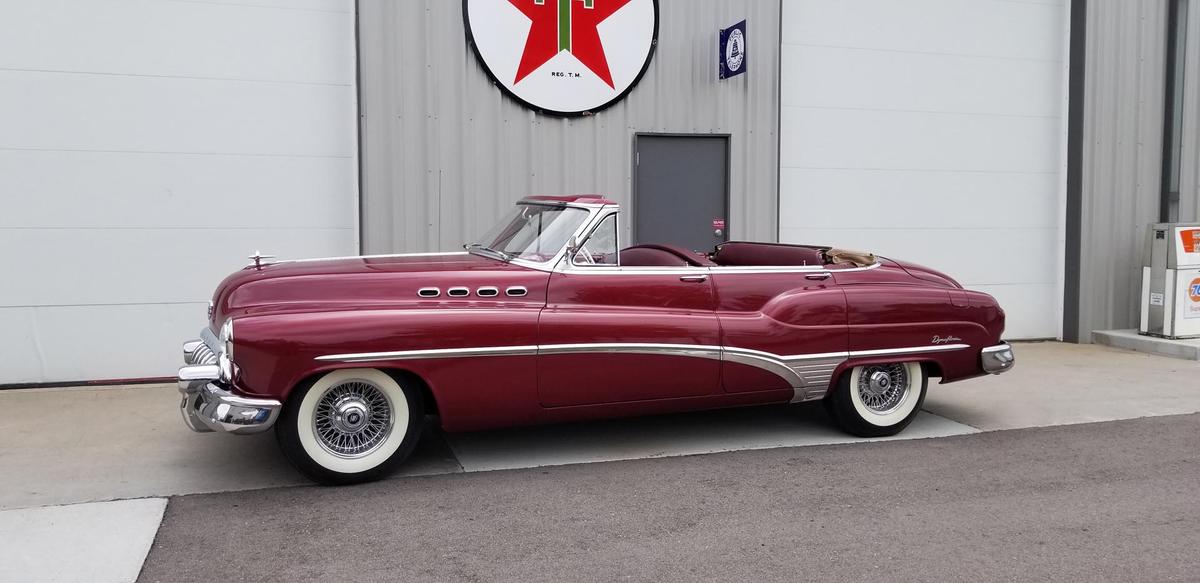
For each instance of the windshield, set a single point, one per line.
(530, 231)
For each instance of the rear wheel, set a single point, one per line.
(350, 426)
(878, 400)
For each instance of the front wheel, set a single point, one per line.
(878, 400)
(349, 426)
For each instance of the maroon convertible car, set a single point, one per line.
(547, 319)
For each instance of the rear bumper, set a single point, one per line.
(997, 359)
(208, 403)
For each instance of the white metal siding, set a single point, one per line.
(445, 152)
(932, 131)
(147, 146)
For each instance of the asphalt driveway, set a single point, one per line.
(1112, 501)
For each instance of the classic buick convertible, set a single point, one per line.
(547, 319)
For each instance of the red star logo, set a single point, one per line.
(566, 25)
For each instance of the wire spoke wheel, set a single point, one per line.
(883, 388)
(878, 400)
(351, 425)
(353, 418)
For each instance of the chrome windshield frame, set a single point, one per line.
(594, 211)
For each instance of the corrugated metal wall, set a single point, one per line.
(1122, 155)
(1189, 180)
(445, 153)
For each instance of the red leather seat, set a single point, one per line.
(749, 253)
(647, 257)
(681, 255)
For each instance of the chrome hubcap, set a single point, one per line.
(353, 419)
(880, 383)
(883, 388)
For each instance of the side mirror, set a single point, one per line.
(572, 247)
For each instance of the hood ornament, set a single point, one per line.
(258, 257)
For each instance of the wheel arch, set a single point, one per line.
(930, 365)
(403, 376)
(428, 398)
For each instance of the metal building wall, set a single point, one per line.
(944, 122)
(445, 153)
(1189, 180)
(1122, 154)
(146, 148)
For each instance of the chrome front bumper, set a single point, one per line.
(997, 359)
(208, 405)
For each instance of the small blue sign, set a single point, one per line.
(731, 50)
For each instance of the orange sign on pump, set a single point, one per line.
(1191, 240)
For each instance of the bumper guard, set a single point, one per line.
(208, 405)
(997, 359)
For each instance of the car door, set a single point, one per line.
(612, 334)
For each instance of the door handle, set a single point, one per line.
(694, 278)
(817, 276)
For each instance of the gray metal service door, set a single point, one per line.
(681, 190)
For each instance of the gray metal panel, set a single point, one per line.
(1123, 109)
(444, 152)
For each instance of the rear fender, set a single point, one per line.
(930, 365)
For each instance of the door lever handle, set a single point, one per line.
(817, 276)
(693, 278)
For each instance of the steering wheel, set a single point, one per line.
(587, 256)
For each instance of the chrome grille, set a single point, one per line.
(202, 351)
(203, 355)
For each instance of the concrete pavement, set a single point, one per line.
(1058, 384)
(65, 446)
(1097, 502)
(101, 541)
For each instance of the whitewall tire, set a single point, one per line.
(350, 425)
(878, 400)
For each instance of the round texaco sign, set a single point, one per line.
(563, 57)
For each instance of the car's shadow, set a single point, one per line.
(258, 459)
(667, 435)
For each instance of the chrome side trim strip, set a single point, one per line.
(739, 269)
(434, 353)
(714, 270)
(910, 350)
(694, 350)
(770, 364)
(808, 375)
(384, 256)
(819, 356)
(634, 270)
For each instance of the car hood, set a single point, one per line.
(353, 282)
